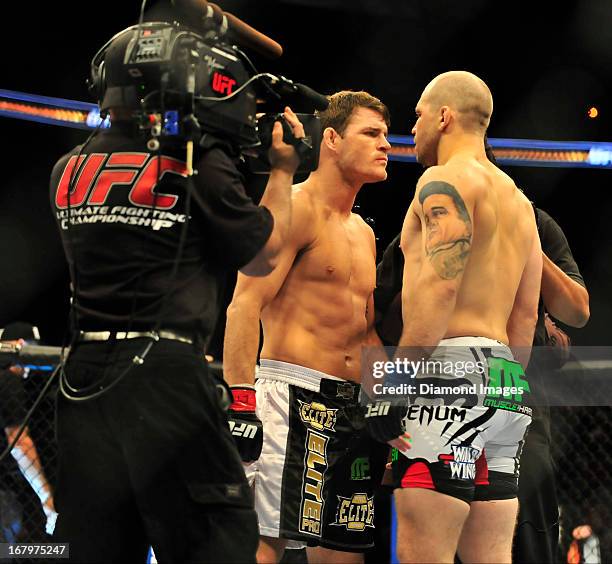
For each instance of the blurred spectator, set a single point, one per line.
(13, 409)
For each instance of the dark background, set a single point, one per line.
(545, 62)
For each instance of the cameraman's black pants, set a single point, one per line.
(150, 462)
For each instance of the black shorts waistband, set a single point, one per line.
(342, 390)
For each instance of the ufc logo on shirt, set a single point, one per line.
(90, 179)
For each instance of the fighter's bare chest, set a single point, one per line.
(341, 253)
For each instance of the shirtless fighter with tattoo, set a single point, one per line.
(471, 284)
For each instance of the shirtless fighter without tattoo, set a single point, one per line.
(313, 482)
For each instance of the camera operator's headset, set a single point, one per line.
(96, 83)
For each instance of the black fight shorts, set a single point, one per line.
(314, 482)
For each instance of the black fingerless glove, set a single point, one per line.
(384, 414)
(384, 419)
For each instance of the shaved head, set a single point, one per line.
(465, 93)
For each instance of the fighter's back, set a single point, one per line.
(499, 230)
(504, 227)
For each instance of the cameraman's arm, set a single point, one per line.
(277, 196)
(237, 233)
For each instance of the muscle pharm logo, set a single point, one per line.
(355, 513)
(315, 465)
(360, 469)
(318, 416)
(507, 386)
(462, 462)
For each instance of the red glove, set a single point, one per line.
(245, 426)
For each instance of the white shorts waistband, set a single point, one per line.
(293, 374)
(471, 342)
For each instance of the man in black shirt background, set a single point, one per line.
(146, 456)
(564, 296)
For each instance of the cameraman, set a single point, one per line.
(146, 456)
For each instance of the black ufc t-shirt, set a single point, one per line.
(557, 249)
(122, 213)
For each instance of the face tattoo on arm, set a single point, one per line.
(448, 228)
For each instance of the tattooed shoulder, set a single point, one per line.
(448, 228)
